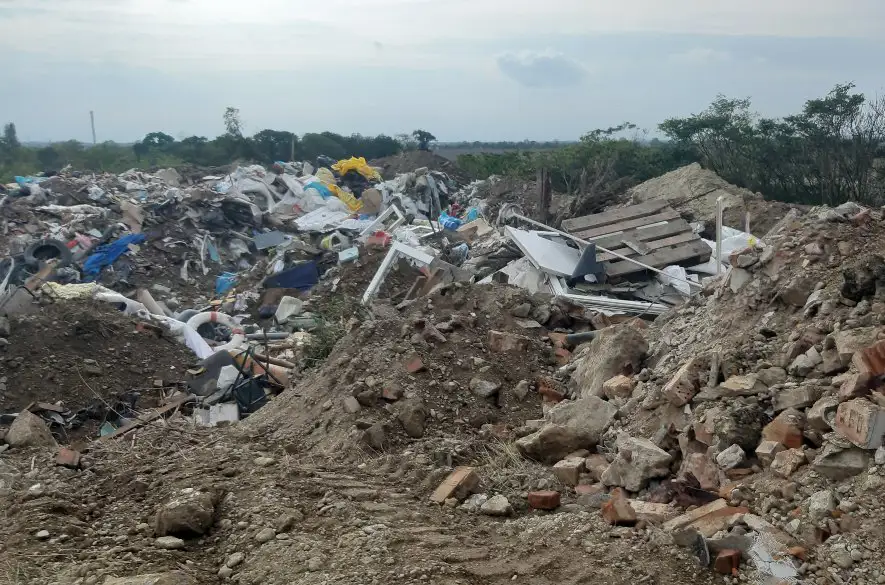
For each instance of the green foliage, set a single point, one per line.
(424, 138)
(825, 154)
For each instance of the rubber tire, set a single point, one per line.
(37, 253)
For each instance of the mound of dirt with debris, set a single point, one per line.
(407, 162)
(87, 356)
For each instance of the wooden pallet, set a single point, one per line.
(651, 233)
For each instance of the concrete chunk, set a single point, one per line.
(861, 422)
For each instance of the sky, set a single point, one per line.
(462, 69)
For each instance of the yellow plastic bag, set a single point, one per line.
(325, 175)
(356, 164)
(353, 204)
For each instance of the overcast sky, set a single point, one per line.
(463, 69)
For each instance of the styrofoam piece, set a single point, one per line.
(546, 255)
(224, 412)
(379, 222)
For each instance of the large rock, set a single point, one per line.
(797, 291)
(850, 341)
(638, 461)
(190, 513)
(736, 424)
(570, 426)
(838, 463)
(171, 578)
(412, 417)
(799, 398)
(864, 279)
(29, 430)
(617, 350)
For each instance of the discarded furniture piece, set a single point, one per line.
(651, 233)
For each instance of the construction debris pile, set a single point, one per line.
(266, 376)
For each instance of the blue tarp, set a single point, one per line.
(107, 254)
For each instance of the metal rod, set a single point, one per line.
(598, 247)
(718, 235)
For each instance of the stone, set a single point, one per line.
(739, 279)
(412, 417)
(170, 578)
(787, 462)
(596, 465)
(375, 437)
(351, 405)
(803, 365)
(786, 429)
(462, 482)
(571, 425)
(850, 341)
(736, 386)
(544, 500)
(618, 511)
(797, 291)
(68, 458)
(508, 342)
(727, 561)
(170, 543)
(799, 398)
(521, 390)
(767, 450)
(855, 386)
(772, 376)
(871, 360)
(474, 502)
(863, 280)
(861, 422)
(414, 364)
(265, 535)
(837, 463)
(814, 249)
(831, 364)
(189, 513)
(392, 392)
(568, 471)
(616, 350)
(739, 424)
(879, 457)
(821, 504)
(618, 387)
(29, 430)
(234, 560)
(42, 535)
(496, 506)
(703, 468)
(686, 382)
(638, 461)
(522, 310)
(732, 457)
(822, 415)
(484, 388)
(225, 573)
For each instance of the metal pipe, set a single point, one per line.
(598, 247)
(718, 235)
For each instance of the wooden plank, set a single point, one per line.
(614, 216)
(172, 405)
(663, 257)
(682, 238)
(666, 215)
(640, 248)
(644, 234)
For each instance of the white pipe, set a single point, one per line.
(718, 235)
(607, 251)
(238, 336)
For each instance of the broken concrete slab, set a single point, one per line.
(638, 461)
(837, 463)
(786, 463)
(767, 450)
(616, 350)
(861, 422)
(799, 398)
(571, 425)
(871, 360)
(170, 578)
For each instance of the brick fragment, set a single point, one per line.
(861, 422)
(855, 386)
(727, 561)
(786, 429)
(459, 484)
(568, 471)
(68, 458)
(509, 342)
(544, 500)
(550, 390)
(618, 511)
(871, 360)
(414, 364)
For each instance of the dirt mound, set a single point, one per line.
(88, 357)
(406, 162)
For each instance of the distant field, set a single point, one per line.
(453, 152)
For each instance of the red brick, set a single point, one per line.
(855, 386)
(727, 561)
(501, 342)
(861, 422)
(617, 510)
(68, 458)
(562, 356)
(786, 429)
(544, 500)
(414, 364)
(459, 484)
(871, 360)
(549, 390)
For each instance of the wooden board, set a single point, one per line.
(671, 228)
(682, 238)
(612, 217)
(696, 250)
(148, 417)
(665, 215)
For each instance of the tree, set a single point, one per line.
(269, 146)
(424, 138)
(313, 145)
(10, 137)
(49, 158)
(232, 123)
(158, 140)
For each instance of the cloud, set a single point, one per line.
(699, 56)
(541, 68)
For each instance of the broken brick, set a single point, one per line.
(685, 383)
(568, 471)
(861, 422)
(392, 392)
(787, 462)
(617, 510)
(618, 387)
(414, 364)
(501, 342)
(589, 489)
(544, 500)
(562, 356)
(855, 386)
(558, 339)
(767, 450)
(550, 390)
(786, 429)
(68, 458)
(871, 360)
(727, 561)
(459, 484)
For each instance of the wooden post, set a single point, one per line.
(544, 195)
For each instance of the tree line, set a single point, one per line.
(831, 151)
(159, 149)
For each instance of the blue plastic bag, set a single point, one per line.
(225, 282)
(448, 222)
(107, 254)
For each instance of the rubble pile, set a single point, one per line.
(311, 374)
